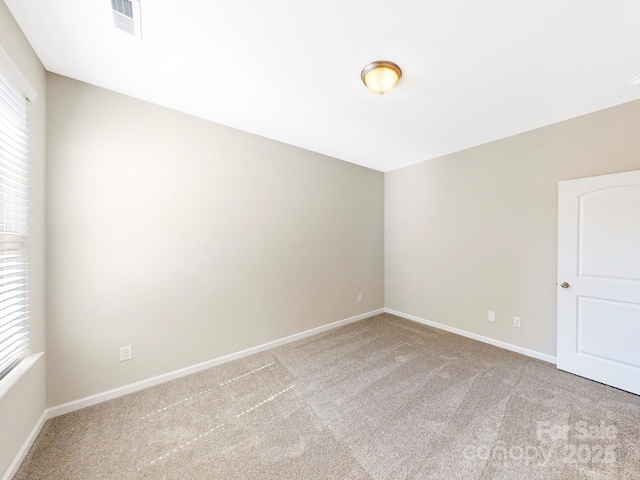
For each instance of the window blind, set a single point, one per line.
(14, 295)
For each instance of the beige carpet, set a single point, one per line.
(383, 398)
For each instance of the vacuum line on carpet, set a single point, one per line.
(177, 449)
(203, 392)
(202, 435)
(176, 403)
(245, 374)
(265, 401)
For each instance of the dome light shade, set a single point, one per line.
(381, 76)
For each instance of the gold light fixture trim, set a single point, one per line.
(381, 76)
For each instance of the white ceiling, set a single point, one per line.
(290, 69)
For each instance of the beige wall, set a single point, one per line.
(476, 230)
(190, 240)
(25, 402)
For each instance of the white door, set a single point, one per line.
(599, 279)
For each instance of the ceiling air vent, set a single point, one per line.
(126, 16)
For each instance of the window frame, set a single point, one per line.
(15, 237)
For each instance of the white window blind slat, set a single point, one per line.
(13, 342)
(13, 95)
(8, 294)
(8, 104)
(4, 273)
(10, 113)
(10, 303)
(12, 310)
(9, 108)
(11, 135)
(12, 320)
(9, 288)
(11, 186)
(14, 279)
(12, 159)
(14, 354)
(10, 334)
(11, 360)
(10, 118)
(12, 196)
(14, 296)
(13, 155)
(9, 169)
(12, 182)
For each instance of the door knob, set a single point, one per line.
(565, 285)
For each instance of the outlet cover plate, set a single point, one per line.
(126, 353)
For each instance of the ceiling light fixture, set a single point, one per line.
(635, 81)
(381, 76)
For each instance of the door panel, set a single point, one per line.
(599, 259)
(609, 237)
(599, 324)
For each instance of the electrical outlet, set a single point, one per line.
(126, 353)
(359, 297)
(517, 322)
(492, 316)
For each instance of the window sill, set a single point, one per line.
(17, 373)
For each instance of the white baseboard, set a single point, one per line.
(475, 336)
(150, 382)
(26, 446)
